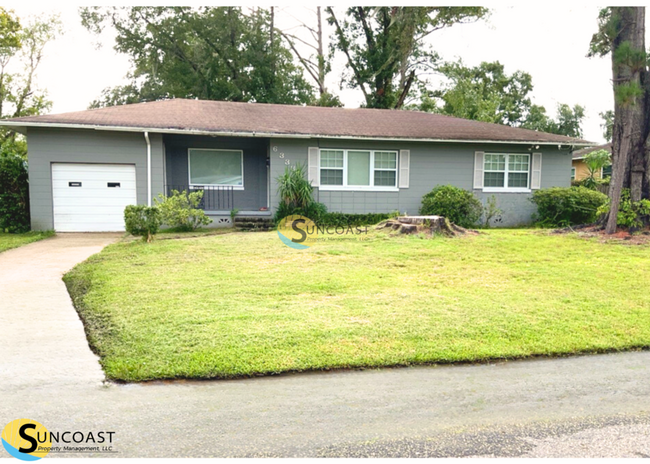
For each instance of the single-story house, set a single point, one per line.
(86, 166)
(579, 170)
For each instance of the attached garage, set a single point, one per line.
(91, 197)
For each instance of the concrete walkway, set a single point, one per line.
(581, 406)
(43, 341)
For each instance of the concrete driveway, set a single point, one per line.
(593, 406)
(43, 341)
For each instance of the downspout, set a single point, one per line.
(146, 137)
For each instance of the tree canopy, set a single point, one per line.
(21, 52)
(608, 124)
(211, 53)
(568, 120)
(385, 48)
(487, 93)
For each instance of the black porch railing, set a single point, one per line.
(215, 197)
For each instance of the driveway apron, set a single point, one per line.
(43, 340)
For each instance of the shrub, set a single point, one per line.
(491, 210)
(297, 195)
(596, 161)
(142, 221)
(631, 214)
(181, 210)
(14, 194)
(314, 211)
(565, 206)
(459, 206)
(294, 189)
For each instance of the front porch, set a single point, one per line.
(232, 172)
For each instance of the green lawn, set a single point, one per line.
(8, 241)
(245, 304)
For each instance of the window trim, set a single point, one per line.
(189, 168)
(526, 189)
(573, 172)
(364, 188)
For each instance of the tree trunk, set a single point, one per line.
(322, 90)
(630, 131)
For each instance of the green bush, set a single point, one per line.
(297, 195)
(565, 206)
(459, 206)
(14, 194)
(294, 188)
(631, 214)
(314, 211)
(142, 221)
(596, 161)
(181, 210)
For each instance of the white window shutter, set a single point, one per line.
(536, 177)
(478, 169)
(313, 166)
(404, 166)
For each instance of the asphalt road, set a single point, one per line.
(579, 406)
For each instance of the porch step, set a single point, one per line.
(257, 224)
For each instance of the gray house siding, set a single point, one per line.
(431, 164)
(255, 151)
(47, 146)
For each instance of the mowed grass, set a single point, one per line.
(245, 304)
(8, 241)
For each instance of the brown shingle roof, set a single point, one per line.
(579, 154)
(229, 117)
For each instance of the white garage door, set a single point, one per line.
(91, 197)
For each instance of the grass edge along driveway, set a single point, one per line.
(9, 241)
(244, 304)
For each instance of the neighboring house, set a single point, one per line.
(579, 170)
(85, 166)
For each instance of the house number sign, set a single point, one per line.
(287, 161)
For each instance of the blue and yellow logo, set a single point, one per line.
(26, 439)
(298, 232)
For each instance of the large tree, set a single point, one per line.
(385, 47)
(316, 62)
(21, 52)
(487, 93)
(568, 120)
(211, 53)
(621, 33)
(608, 124)
(483, 93)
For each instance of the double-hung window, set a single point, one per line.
(216, 167)
(358, 169)
(506, 171)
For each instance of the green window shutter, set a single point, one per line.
(536, 175)
(478, 169)
(404, 168)
(312, 166)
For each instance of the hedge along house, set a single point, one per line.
(86, 166)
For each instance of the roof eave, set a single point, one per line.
(21, 126)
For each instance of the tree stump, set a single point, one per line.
(428, 225)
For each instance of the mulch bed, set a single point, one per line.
(639, 237)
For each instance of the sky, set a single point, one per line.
(550, 43)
